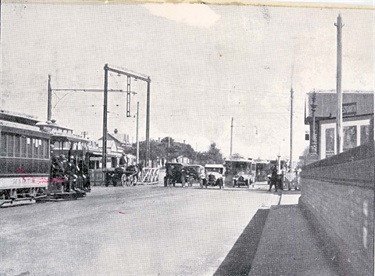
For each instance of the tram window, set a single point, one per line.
(36, 148)
(29, 147)
(23, 146)
(17, 146)
(45, 149)
(10, 145)
(3, 145)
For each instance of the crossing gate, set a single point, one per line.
(150, 175)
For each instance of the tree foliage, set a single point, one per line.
(168, 149)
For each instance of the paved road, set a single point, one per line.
(141, 230)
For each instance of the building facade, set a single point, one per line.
(357, 110)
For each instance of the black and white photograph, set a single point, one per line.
(178, 138)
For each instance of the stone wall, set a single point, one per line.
(337, 195)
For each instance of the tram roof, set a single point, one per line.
(68, 138)
(22, 129)
(18, 118)
(240, 160)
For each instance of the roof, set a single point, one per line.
(214, 166)
(18, 117)
(239, 160)
(192, 165)
(111, 137)
(355, 103)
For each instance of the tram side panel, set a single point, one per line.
(24, 163)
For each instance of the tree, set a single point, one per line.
(213, 155)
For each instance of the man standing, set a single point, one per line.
(274, 179)
(123, 160)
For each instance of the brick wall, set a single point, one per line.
(337, 194)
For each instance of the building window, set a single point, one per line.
(330, 142)
(365, 134)
(349, 137)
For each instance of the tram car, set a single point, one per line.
(69, 173)
(29, 171)
(24, 159)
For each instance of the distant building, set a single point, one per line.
(357, 110)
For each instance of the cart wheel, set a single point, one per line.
(123, 180)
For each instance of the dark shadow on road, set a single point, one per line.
(240, 257)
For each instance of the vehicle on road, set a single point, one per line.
(174, 173)
(123, 175)
(194, 174)
(240, 172)
(214, 176)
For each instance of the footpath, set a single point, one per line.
(288, 245)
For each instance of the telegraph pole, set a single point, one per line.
(49, 103)
(148, 122)
(137, 133)
(339, 26)
(231, 138)
(105, 113)
(291, 128)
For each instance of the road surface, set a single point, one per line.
(140, 230)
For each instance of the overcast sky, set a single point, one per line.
(207, 64)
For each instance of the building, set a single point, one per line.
(117, 144)
(357, 111)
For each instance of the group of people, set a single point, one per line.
(70, 174)
(288, 177)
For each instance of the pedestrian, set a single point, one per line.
(273, 181)
(123, 160)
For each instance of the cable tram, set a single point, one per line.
(69, 174)
(24, 159)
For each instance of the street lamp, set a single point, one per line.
(313, 143)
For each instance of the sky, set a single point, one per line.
(207, 64)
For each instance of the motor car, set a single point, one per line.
(174, 173)
(194, 174)
(214, 176)
(243, 178)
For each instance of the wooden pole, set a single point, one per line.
(291, 128)
(231, 138)
(338, 87)
(105, 111)
(137, 133)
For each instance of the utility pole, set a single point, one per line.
(137, 133)
(231, 138)
(148, 122)
(105, 113)
(291, 128)
(339, 26)
(49, 103)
